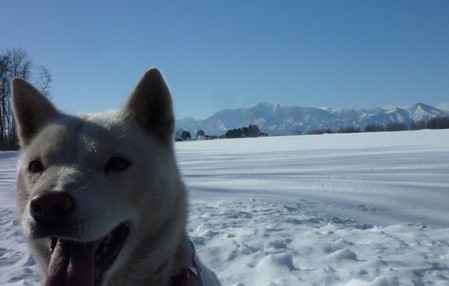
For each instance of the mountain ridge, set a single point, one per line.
(276, 119)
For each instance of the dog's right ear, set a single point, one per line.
(32, 110)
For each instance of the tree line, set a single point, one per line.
(15, 62)
(251, 131)
(254, 131)
(433, 123)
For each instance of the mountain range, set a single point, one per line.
(275, 119)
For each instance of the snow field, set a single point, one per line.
(256, 242)
(352, 209)
(17, 266)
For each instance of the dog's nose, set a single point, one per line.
(48, 206)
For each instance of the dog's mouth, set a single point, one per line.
(84, 263)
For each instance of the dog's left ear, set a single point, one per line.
(150, 105)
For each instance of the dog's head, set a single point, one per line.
(89, 186)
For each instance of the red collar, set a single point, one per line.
(182, 279)
(185, 273)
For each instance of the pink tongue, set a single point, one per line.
(72, 264)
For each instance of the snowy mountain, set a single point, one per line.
(276, 119)
(443, 106)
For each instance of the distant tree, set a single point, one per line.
(396, 127)
(186, 135)
(234, 133)
(319, 131)
(418, 125)
(200, 134)
(250, 131)
(374, 128)
(254, 130)
(438, 123)
(245, 132)
(178, 134)
(350, 129)
(15, 62)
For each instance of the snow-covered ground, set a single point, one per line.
(347, 209)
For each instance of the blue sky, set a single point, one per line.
(226, 54)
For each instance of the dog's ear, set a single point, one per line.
(150, 105)
(32, 110)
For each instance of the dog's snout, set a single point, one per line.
(48, 206)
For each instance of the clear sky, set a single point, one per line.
(226, 54)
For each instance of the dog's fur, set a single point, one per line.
(117, 168)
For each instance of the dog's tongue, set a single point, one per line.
(72, 264)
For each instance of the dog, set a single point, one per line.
(100, 197)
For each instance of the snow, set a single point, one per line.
(340, 209)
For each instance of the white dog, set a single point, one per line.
(100, 197)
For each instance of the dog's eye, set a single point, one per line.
(117, 164)
(36, 166)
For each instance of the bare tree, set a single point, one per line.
(43, 80)
(15, 62)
